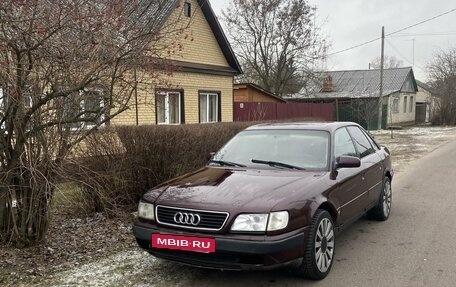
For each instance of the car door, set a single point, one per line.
(349, 180)
(372, 172)
(376, 189)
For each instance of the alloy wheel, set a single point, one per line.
(387, 196)
(324, 245)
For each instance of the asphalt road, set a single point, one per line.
(415, 247)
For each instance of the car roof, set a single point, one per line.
(326, 126)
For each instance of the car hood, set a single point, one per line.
(221, 189)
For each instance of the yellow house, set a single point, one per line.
(199, 89)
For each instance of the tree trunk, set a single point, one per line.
(3, 212)
(24, 209)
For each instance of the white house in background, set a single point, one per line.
(425, 103)
(351, 88)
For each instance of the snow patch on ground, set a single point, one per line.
(134, 267)
(105, 271)
(128, 268)
(409, 144)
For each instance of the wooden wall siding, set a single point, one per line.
(245, 93)
(408, 86)
(199, 44)
(241, 96)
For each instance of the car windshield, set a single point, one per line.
(284, 149)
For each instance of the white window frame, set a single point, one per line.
(2, 107)
(405, 104)
(395, 104)
(27, 105)
(411, 104)
(217, 99)
(166, 111)
(86, 125)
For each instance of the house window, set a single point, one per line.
(27, 97)
(169, 107)
(187, 9)
(411, 104)
(2, 109)
(405, 104)
(209, 104)
(395, 105)
(85, 111)
(27, 104)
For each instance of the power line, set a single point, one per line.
(422, 22)
(354, 47)
(392, 33)
(425, 34)
(403, 57)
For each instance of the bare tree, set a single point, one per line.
(390, 62)
(366, 110)
(442, 75)
(65, 69)
(275, 40)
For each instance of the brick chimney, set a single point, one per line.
(328, 85)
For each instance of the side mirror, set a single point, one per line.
(346, 161)
(210, 155)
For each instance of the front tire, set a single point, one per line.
(319, 248)
(382, 210)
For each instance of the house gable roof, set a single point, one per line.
(423, 85)
(159, 10)
(260, 89)
(361, 84)
(220, 35)
(166, 7)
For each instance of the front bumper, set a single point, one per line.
(265, 252)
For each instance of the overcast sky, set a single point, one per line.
(350, 22)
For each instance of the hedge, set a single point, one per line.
(121, 163)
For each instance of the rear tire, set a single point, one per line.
(319, 247)
(382, 210)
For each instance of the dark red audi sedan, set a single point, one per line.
(274, 195)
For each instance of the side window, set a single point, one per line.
(371, 140)
(362, 143)
(343, 144)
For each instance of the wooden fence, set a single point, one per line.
(283, 111)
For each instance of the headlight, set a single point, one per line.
(259, 222)
(146, 210)
(278, 220)
(250, 222)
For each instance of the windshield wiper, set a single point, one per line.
(226, 163)
(277, 164)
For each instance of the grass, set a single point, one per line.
(69, 198)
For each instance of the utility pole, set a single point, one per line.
(380, 98)
(136, 97)
(413, 51)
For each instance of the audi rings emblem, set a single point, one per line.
(187, 218)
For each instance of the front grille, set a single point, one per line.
(210, 220)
